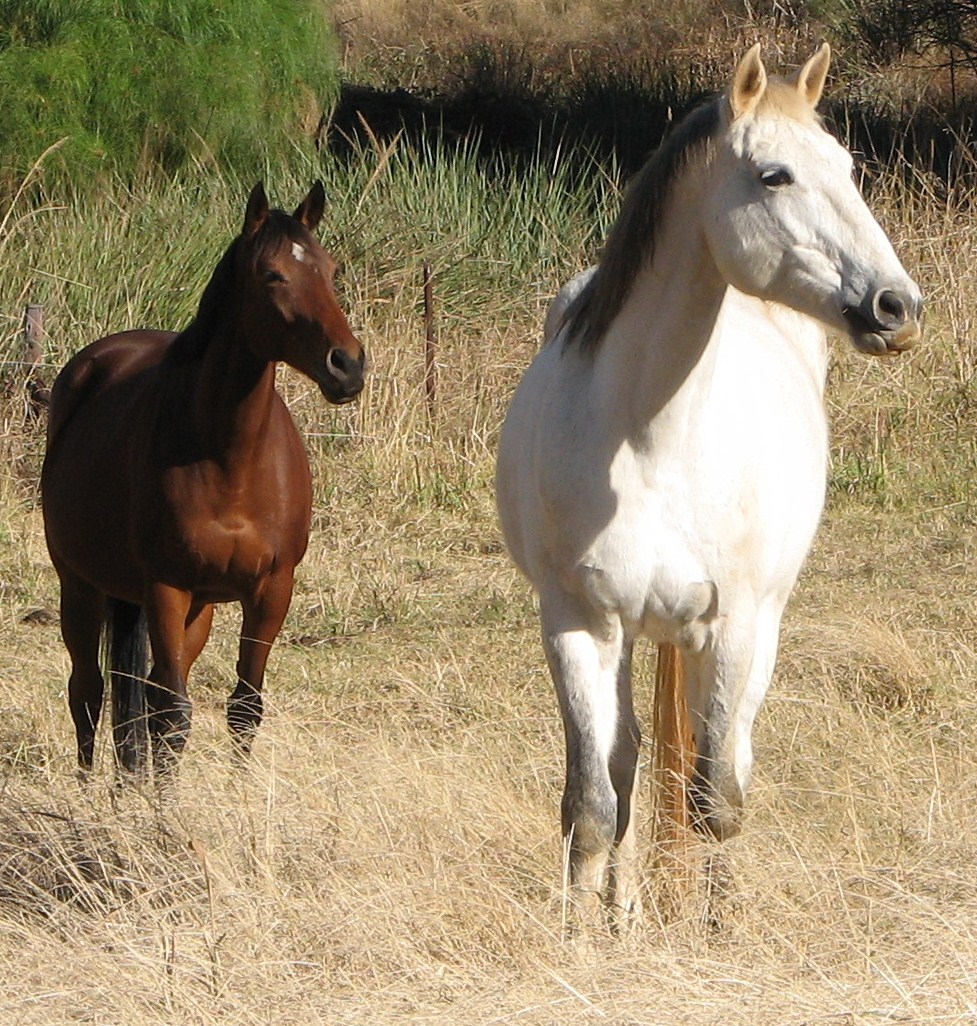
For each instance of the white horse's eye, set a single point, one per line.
(775, 177)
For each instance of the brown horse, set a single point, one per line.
(175, 479)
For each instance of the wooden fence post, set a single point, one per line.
(430, 341)
(39, 395)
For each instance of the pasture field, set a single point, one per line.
(392, 852)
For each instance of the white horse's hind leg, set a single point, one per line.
(585, 665)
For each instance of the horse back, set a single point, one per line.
(100, 366)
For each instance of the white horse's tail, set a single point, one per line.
(674, 763)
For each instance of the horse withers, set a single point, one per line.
(662, 467)
(175, 478)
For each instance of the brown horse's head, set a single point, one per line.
(289, 307)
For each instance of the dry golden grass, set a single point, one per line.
(408, 45)
(392, 853)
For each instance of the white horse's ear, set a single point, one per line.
(749, 82)
(810, 78)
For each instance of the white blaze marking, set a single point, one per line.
(298, 252)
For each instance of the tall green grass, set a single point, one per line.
(140, 254)
(500, 243)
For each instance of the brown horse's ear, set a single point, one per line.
(309, 211)
(810, 79)
(256, 213)
(749, 82)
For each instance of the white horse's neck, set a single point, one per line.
(657, 357)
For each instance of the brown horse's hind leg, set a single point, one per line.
(263, 619)
(82, 613)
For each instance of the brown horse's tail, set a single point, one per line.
(674, 761)
(127, 646)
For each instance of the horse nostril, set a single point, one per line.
(889, 307)
(341, 365)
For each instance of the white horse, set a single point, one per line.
(662, 467)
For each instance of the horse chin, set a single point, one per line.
(872, 344)
(888, 343)
(337, 394)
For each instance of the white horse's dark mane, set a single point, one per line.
(631, 242)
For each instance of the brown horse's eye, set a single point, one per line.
(272, 277)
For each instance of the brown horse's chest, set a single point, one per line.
(218, 533)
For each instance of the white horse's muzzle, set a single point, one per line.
(885, 322)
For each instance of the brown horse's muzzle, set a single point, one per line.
(343, 379)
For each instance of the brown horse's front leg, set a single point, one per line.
(263, 618)
(169, 708)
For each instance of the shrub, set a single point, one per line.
(138, 84)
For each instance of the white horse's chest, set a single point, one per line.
(665, 556)
(709, 511)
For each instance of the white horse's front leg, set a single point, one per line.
(588, 663)
(624, 880)
(731, 680)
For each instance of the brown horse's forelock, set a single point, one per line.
(631, 242)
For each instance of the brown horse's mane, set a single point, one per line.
(631, 242)
(217, 301)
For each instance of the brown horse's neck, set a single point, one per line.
(232, 389)
(232, 393)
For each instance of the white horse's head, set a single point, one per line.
(786, 222)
